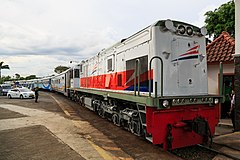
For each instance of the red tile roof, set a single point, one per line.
(221, 49)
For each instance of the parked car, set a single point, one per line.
(4, 88)
(20, 93)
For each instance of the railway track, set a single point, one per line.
(201, 152)
(198, 152)
(224, 150)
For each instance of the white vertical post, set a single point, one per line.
(237, 27)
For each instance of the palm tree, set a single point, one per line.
(3, 67)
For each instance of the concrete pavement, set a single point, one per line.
(66, 130)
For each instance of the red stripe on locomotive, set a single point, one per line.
(115, 81)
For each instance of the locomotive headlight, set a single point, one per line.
(183, 100)
(210, 99)
(189, 31)
(165, 103)
(169, 25)
(204, 31)
(174, 101)
(181, 29)
(216, 101)
(178, 100)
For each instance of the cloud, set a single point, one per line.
(18, 40)
(36, 36)
(200, 21)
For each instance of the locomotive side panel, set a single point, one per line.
(114, 68)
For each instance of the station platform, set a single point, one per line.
(230, 145)
(225, 123)
(227, 139)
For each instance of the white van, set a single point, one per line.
(4, 88)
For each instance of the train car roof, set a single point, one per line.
(157, 23)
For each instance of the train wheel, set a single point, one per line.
(115, 119)
(135, 127)
(101, 112)
(131, 126)
(77, 99)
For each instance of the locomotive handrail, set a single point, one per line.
(150, 68)
(137, 73)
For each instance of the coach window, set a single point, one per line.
(76, 73)
(71, 73)
(110, 63)
(81, 69)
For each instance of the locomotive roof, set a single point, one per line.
(160, 23)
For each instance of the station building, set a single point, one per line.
(220, 50)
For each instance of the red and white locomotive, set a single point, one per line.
(154, 83)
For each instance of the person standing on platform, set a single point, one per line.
(36, 95)
(227, 103)
(232, 110)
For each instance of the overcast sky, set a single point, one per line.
(38, 35)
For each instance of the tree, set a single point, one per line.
(17, 76)
(5, 78)
(31, 77)
(221, 19)
(60, 69)
(3, 67)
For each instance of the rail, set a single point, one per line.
(149, 84)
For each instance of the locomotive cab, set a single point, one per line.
(180, 87)
(182, 48)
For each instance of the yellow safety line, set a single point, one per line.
(229, 134)
(111, 148)
(101, 151)
(59, 104)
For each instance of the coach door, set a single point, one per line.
(120, 63)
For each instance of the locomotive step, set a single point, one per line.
(142, 111)
(149, 138)
(144, 124)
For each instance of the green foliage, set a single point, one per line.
(17, 76)
(3, 67)
(8, 78)
(31, 77)
(221, 19)
(4, 79)
(60, 69)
